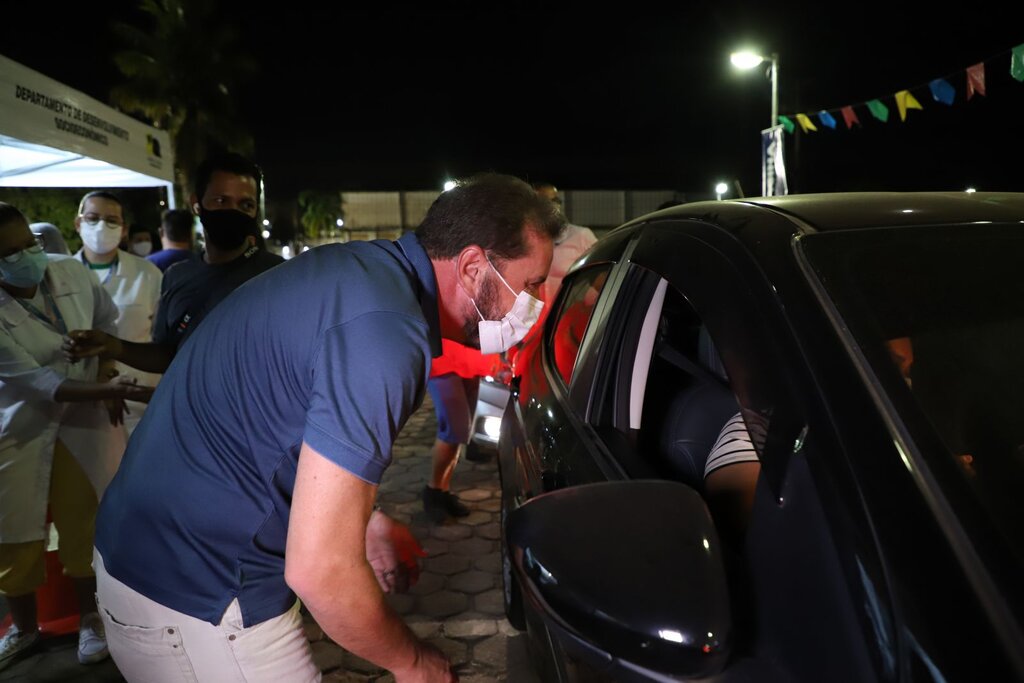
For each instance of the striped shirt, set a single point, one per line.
(732, 446)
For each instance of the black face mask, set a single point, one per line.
(226, 229)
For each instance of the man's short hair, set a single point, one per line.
(100, 194)
(177, 225)
(10, 214)
(227, 162)
(489, 210)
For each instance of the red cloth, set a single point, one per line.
(464, 361)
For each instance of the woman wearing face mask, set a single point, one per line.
(56, 437)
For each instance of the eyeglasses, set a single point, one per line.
(94, 218)
(16, 256)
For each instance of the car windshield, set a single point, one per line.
(938, 314)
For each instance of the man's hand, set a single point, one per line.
(392, 551)
(79, 344)
(504, 374)
(116, 409)
(432, 666)
(131, 390)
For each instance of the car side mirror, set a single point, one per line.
(627, 575)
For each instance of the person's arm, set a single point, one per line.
(151, 357)
(327, 567)
(73, 390)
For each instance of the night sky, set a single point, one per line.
(636, 96)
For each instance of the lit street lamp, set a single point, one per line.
(720, 189)
(748, 60)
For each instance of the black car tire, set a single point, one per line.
(511, 593)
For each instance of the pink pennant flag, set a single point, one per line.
(976, 79)
(850, 116)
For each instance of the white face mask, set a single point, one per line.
(142, 248)
(497, 336)
(100, 237)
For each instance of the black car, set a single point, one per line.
(870, 349)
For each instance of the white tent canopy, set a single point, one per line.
(54, 136)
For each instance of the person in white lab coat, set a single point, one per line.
(130, 280)
(58, 443)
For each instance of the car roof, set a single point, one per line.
(854, 210)
(780, 218)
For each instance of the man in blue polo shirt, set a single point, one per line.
(252, 476)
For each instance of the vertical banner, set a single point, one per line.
(773, 168)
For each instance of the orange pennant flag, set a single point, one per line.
(976, 79)
(805, 123)
(905, 101)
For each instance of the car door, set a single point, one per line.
(543, 436)
(792, 571)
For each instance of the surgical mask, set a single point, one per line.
(227, 228)
(99, 237)
(497, 336)
(142, 248)
(27, 271)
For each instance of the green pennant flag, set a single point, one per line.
(1017, 63)
(880, 111)
(787, 123)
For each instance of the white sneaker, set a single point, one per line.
(14, 643)
(92, 640)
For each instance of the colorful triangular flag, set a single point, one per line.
(827, 119)
(1017, 62)
(787, 123)
(942, 91)
(976, 79)
(805, 123)
(850, 116)
(905, 101)
(880, 111)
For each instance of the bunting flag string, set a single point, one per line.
(941, 90)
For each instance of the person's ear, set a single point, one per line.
(470, 268)
(193, 201)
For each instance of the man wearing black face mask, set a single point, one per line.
(226, 199)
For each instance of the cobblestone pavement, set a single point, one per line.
(456, 605)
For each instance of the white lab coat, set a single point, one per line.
(134, 285)
(31, 368)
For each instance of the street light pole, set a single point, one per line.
(747, 60)
(771, 142)
(775, 88)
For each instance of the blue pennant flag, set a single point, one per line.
(826, 119)
(942, 91)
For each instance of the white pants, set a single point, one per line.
(151, 643)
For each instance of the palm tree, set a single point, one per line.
(182, 73)
(320, 211)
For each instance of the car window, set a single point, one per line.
(687, 399)
(938, 315)
(576, 306)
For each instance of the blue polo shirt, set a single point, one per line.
(332, 348)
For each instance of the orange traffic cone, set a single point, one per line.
(56, 600)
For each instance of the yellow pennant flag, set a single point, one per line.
(905, 101)
(805, 123)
